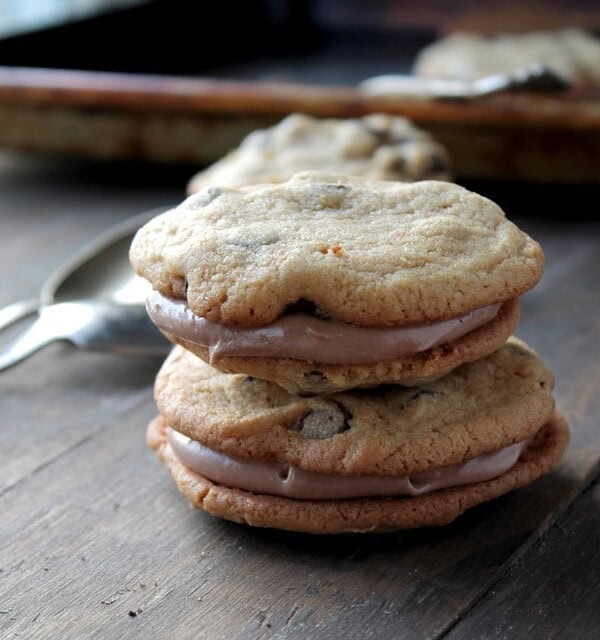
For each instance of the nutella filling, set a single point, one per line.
(282, 479)
(303, 337)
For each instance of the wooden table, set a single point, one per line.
(96, 542)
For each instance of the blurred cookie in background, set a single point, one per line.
(377, 146)
(572, 53)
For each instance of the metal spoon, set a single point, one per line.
(536, 77)
(94, 301)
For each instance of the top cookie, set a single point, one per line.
(367, 253)
(572, 53)
(377, 146)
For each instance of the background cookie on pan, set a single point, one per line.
(572, 53)
(378, 146)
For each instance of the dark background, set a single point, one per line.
(317, 40)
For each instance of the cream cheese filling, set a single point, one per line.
(304, 337)
(282, 479)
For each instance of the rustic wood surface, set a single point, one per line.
(96, 542)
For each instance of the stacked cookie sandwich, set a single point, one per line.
(343, 360)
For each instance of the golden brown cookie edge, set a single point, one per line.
(371, 515)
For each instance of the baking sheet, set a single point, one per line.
(188, 120)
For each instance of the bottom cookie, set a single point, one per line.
(368, 515)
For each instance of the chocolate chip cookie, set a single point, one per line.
(378, 146)
(364, 460)
(573, 54)
(328, 282)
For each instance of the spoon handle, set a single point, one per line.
(16, 311)
(89, 325)
(33, 339)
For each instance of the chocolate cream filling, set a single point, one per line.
(282, 479)
(304, 337)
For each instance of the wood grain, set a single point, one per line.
(96, 542)
(104, 519)
(551, 592)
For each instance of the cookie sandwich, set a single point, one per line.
(327, 282)
(360, 461)
(377, 146)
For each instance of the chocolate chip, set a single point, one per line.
(346, 413)
(388, 137)
(325, 421)
(397, 165)
(382, 135)
(436, 165)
